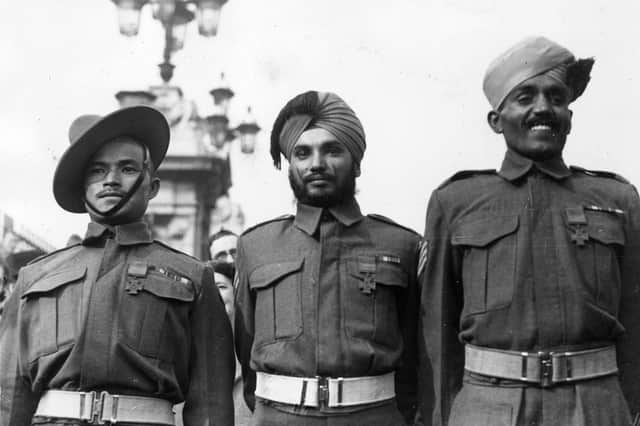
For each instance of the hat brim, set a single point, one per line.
(144, 124)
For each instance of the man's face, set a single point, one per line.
(111, 173)
(223, 249)
(225, 287)
(535, 118)
(321, 169)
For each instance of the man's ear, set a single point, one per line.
(493, 118)
(154, 187)
(356, 169)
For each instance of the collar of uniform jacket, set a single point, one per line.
(515, 166)
(308, 217)
(125, 235)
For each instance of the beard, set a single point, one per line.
(345, 191)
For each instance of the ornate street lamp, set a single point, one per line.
(174, 15)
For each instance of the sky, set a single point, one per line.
(411, 69)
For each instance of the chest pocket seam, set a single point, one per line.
(604, 228)
(482, 232)
(265, 275)
(156, 284)
(53, 281)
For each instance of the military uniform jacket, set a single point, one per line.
(328, 293)
(118, 313)
(534, 257)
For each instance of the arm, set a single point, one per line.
(17, 402)
(407, 373)
(244, 326)
(441, 299)
(629, 314)
(208, 400)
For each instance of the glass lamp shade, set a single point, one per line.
(208, 16)
(222, 95)
(248, 129)
(129, 16)
(217, 125)
(181, 18)
(163, 10)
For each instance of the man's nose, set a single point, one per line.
(541, 104)
(317, 161)
(112, 177)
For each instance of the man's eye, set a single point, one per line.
(524, 99)
(93, 171)
(129, 169)
(300, 153)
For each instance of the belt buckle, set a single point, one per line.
(97, 407)
(545, 361)
(323, 391)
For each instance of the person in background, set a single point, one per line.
(120, 327)
(222, 246)
(530, 273)
(327, 300)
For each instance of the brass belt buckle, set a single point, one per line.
(546, 369)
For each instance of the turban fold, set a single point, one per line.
(322, 110)
(529, 58)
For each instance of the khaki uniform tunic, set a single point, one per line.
(118, 313)
(328, 293)
(511, 264)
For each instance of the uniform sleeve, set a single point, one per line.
(209, 399)
(441, 306)
(17, 402)
(629, 314)
(244, 325)
(407, 373)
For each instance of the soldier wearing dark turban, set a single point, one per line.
(529, 273)
(327, 302)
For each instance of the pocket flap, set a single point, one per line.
(483, 231)
(166, 288)
(605, 228)
(386, 273)
(265, 275)
(55, 280)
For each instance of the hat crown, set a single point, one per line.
(80, 125)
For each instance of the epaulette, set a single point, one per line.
(44, 256)
(175, 250)
(464, 174)
(599, 173)
(275, 219)
(385, 219)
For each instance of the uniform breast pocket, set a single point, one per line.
(489, 247)
(278, 306)
(598, 258)
(370, 299)
(154, 316)
(51, 308)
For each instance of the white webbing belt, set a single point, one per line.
(98, 408)
(318, 391)
(543, 368)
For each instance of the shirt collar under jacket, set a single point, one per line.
(125, 235)
(308, 217)
(515, 166)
